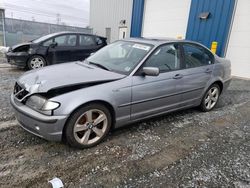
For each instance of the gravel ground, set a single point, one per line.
(182, 149)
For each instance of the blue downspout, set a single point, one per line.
(137, 18)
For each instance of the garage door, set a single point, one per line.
(165, 18)
(239, 43)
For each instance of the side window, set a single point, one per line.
(48, 42)
(61, 40)
(166, 58)
(196, 56)
(85, 40)
(71, 41)
(66, 40)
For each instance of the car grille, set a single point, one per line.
(19, 92)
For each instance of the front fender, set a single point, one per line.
(114, 93)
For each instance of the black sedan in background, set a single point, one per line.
(54, 48)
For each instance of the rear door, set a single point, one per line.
(156, 94)
(198, 66)
(87, 44)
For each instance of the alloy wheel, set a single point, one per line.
(211, 98)
(90, 127)
(37, 62)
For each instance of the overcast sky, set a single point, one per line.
(70, 12)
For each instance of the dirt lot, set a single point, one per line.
(182, 149)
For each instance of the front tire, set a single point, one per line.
(88, 126)
(35, 62)
(210, 98)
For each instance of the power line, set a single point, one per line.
(53, 4)
(41, 13)
(47, 15)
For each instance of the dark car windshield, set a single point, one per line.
(43, 38)
(120, 56)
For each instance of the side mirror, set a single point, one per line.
(53, 44)
(151, 71)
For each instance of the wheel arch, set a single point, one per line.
(43, 56)
(217, 81)
(220, 84)
(102, 102)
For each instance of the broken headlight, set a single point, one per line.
(42, 104)
(31, 51)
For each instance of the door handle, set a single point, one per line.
(178, 76)
(208, 71)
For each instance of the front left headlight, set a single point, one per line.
(50, 105)
(41, 104)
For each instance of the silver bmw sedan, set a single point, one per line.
(124, 82)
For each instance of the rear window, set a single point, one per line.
(85, 40)
(99, 41)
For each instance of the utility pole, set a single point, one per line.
(11, 21)
(58, 18)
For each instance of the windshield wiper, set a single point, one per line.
(99, 65)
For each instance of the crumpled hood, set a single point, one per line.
(64, 75)
(19, 45)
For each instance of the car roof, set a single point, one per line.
(157, 41)
(72, 32)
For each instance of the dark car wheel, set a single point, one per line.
(210, 98)
(88, 126)
(36, 62)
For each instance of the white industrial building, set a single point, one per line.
(224, 21)
(107, 18)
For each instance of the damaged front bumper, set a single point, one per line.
(44, 126)
(18, 58)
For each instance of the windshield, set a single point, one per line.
(42, 38)
(120, 56)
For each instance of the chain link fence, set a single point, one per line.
(18, 31)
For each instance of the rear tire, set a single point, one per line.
(210, 98)
(88, 126)
(35, 62)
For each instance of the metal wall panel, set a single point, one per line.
(108, 14)
(239, 42)
(216, 27)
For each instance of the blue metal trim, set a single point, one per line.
(215, 28)
(137, 18)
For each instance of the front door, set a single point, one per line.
(210, 21)
(156, 94)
